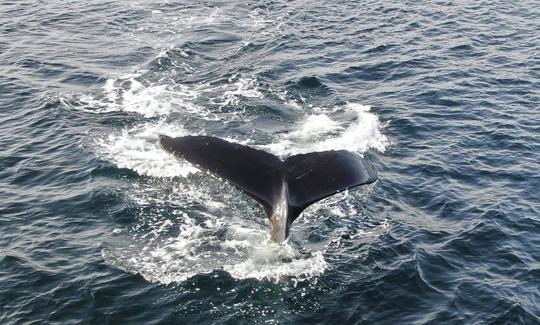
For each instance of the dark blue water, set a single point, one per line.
(99, 225)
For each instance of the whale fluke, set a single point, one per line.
(283, 188)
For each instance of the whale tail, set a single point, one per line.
(283, 188)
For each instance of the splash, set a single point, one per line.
(138, 149)
(208, 225)
(273, 269)
(213, 226)
(238, 87)
(127, 94)
(357, 130)
(208, 232)
(244, 251)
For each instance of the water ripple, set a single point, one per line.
(99, 225)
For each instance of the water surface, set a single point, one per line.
(99, 225)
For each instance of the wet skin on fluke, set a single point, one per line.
(283, 188)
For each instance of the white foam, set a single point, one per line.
(138, 149)
(237, 88)
(319, 132)
(126, 94)
(285, 97)
(246, 252)
(235, 242)
(196, 19)
(228, 235)
(316, 126)
(171, 247)
(272, 269)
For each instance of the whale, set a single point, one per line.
(284, 188)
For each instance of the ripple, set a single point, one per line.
(98, 225)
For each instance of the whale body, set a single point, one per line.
(284, 188)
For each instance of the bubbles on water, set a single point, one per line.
(273, 268)
(205, 243)
(315, 126)
(350, 127)
(237, 88)
(201, 234)
(128, 94)
(185, 229)
(186, 223)
(138, 149)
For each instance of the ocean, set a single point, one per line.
(99, 225)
